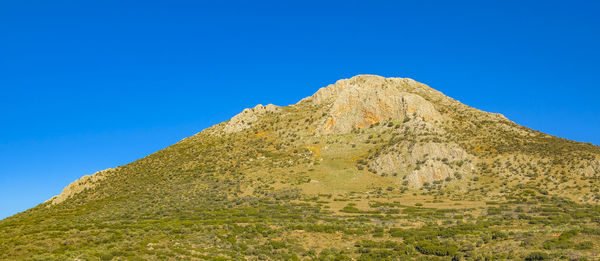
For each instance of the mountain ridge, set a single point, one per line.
(332, 93)
(367, 168)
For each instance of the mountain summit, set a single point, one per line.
(367, 168)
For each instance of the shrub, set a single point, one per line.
(537, 256)
(436, 248)
(585, 245)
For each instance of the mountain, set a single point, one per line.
(368, 168)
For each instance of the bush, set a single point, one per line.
(537, 256)
(106, 256)
(585, 245)
(436, 248)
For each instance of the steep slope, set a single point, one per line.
(366, 168)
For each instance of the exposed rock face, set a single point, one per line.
(245, 119)
(426, 162)
(365, 100)
(593, 169)
(85, 182)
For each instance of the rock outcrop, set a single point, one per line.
(364, 100)
(424, 162)
(245, 119)
(592, 169)
(85, 182)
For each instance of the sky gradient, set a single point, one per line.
(88, 85)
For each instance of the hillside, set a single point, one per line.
(368, 168)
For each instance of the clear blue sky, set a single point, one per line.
(88, 85)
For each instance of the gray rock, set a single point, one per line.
(424, 162)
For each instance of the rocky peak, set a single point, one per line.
(364, 100)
